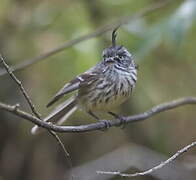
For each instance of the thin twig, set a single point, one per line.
(22, 89)
(98, 32)
(155, 168)
(100, 125)
(60, 143)
(16, 80)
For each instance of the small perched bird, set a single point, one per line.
(99, 89)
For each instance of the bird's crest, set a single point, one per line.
(114, 34)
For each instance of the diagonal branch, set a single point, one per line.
(98, 32)
(38, 116)
(19, 83)
(99, 125)
(155, 168)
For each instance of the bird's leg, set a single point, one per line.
(107, 123)
(121, 118)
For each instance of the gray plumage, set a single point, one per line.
(104, 86)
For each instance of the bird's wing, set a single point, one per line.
(73, 85)
(69, 87)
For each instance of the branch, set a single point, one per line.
(22, 89)
(131, 155)
(99, 125)
(98, 32)
(155, 168)
(9, 71)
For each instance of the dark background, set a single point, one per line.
(163, 44)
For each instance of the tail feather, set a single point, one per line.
(66, 116)
(60, 114)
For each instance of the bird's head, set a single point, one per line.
(115, 53)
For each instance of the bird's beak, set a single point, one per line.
(110, 60)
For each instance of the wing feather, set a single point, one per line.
(67, 88)
(72, 86)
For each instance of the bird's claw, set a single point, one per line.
(121, 118)
(122, 121)
(106, 123)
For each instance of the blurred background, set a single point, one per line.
(164, 46)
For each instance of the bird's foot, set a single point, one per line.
(123, 121)
(121, 118)
(106, 123)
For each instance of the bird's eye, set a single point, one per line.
(120, 55)
(104, 56)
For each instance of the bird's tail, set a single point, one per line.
(60, 114)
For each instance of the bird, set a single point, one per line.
(105, 86)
